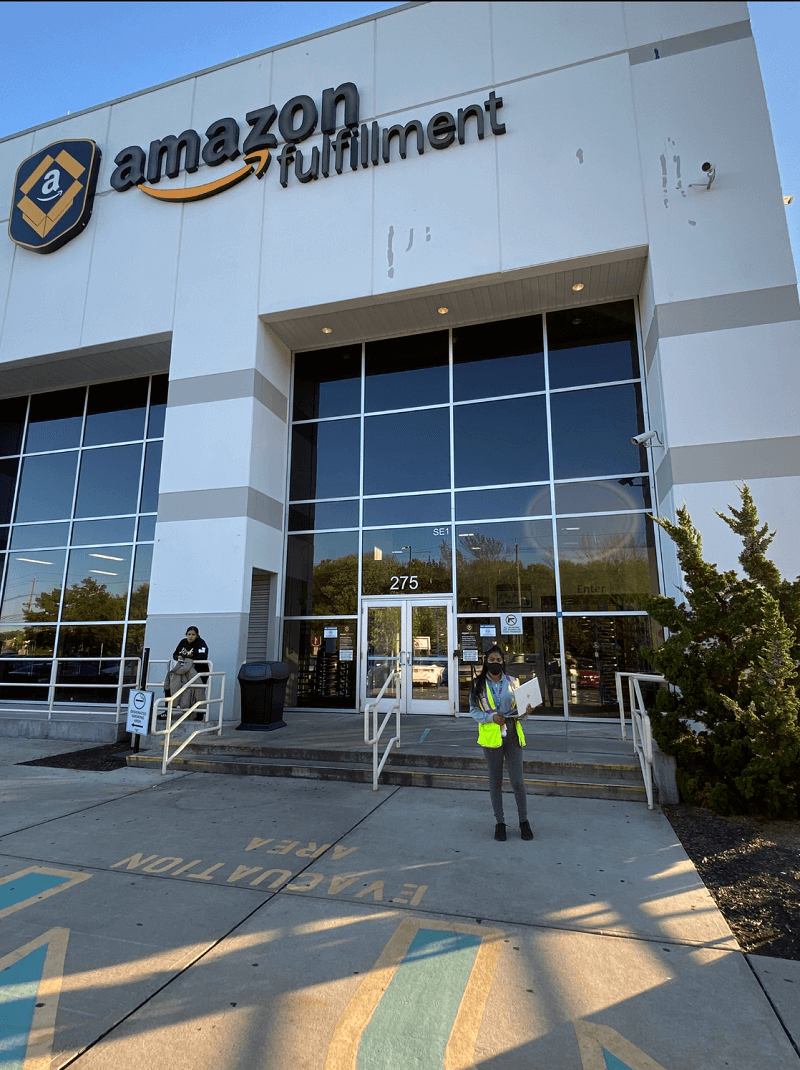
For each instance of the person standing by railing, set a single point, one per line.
(494, 707)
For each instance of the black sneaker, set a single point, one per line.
(500, 832)
(525, 830)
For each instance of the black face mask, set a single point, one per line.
(494, 668)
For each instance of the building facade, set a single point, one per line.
(338, 352)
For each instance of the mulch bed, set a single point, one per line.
(750, 866)
(97, 759)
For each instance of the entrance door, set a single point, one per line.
(416, 636)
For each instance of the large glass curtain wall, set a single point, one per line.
(491, 462)
(79, 477)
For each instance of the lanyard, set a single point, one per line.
(490, 696)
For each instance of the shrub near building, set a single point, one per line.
(732, 656)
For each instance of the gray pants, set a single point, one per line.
(512, 753)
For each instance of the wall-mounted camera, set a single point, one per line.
(646, 439)
(710, 171)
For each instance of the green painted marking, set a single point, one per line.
(613, 1063)
(26, 887)
(19, 988)
(414, 1019)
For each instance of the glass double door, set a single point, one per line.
(414, 636)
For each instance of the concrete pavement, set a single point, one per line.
(204, 921)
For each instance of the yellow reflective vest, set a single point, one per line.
(489, 734)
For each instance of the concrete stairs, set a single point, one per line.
(597, 776)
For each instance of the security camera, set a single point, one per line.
(710, 171)
(646, 439)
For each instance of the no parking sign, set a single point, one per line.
(140, 706)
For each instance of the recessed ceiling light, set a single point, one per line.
(100, 572)
(443, 311)
(108, 557)
(576, 321)
(577, 286)
(572, 529)
(34, 560)
(327, 330)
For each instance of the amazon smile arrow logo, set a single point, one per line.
(256, 163)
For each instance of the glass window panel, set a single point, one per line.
(147, 528)
(505, 566)
(325, 459)
(410, 560)
(92, 640)
(134, 641)
(140, 588)
(430, 653)
(592, 431)
(534, 653)
(383, 648)
(12, 422)
(97, 583)
(501, 442)
(505, 357)
(33, 586)
(3, 538)
(411, 509)
(94, 532)
(322, 574)
(55, 420)
(327, 382)
(402, 373)
(407, 451)
(89, 681)
(318, 673)
(115, 412)
(595, 649)
(25, 661)
(46, 487)
(158, 406)
(30, 641)
(507, 501)
(109, 481)
(603, 495)
(8, 484)
(152, 476)
(29, 536)
(592, 345)
(323, 515)
(606, 562)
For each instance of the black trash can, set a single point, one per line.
(263, 685)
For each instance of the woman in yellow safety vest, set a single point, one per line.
(494, 707)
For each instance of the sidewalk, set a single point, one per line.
(203, 921)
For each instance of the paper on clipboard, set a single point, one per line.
(528, 694)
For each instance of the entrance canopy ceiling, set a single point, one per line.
(611, 277)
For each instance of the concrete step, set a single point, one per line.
(551, 763)
(579, 779)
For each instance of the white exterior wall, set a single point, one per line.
(590, 112)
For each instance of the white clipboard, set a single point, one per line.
(528, 694)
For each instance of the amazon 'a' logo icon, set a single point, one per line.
(54, 194)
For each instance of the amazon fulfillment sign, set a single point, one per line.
(54, 190)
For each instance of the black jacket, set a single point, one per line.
(196, 651)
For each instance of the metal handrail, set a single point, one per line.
(641, 729)
(118, 706)
(166, 705)
(377, 730)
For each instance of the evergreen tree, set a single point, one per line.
(731, 717)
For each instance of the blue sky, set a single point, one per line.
(60, 57)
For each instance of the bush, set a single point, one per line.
(731, 719)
